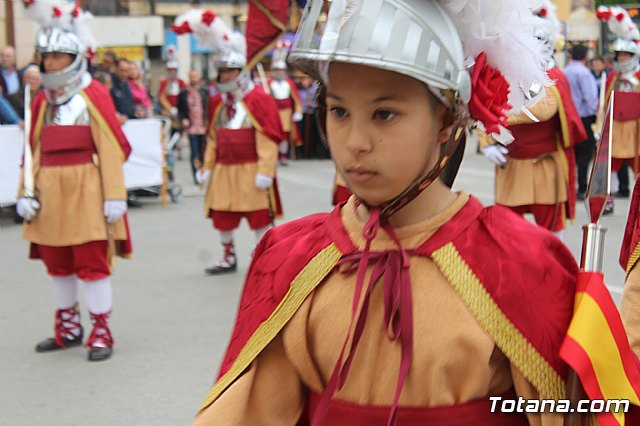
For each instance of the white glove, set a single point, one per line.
(202, 176)
(173, 111)
(283, 147)
(27, 208)
(263, 181)
(495, 154)
(296, 117)
(114, 209)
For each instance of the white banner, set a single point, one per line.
(143, 169)
(145, 164)
(10, 161)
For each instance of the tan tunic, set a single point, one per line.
(454, 360)
(72, 197)
(524, 182)
(626, 134)
(630, 308)
(232, 186)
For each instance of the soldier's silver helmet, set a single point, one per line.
(631, 65)
(387, 34)
(61, 85)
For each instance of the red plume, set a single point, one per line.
(56, 12)
(208, 17)
(543, 12)
(620, 17)
(603, 15)
(183, 28)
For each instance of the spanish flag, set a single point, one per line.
(597, 349)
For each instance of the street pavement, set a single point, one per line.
(170, 322)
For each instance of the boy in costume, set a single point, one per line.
(243, 136)
(388, 310)
(76, 221)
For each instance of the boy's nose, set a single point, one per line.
(360, 139)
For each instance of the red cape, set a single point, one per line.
(262, 108)
(534, 288)
(630, 250)
(573, 133)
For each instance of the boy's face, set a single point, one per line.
(56, 61)
(382, 128)
(623, 57)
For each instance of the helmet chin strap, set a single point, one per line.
(389, 208)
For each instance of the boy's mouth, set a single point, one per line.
(359, 174)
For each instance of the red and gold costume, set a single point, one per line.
(243, 142)
(168, 92)
(626, 131)
(77, 168)
(540, 174)
(477, 333)
(287, 98)
(629, 255)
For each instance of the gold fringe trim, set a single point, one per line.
(301, 286)
(103, 125)
(506, 336)
(633, 259)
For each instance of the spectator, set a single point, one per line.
(108, 62)
(104, 78)
(121, 92)
(143, 104)
(36, 59)
(598, 71)
(584, 91)
(192, 112)
(33, 79)
(10, 77)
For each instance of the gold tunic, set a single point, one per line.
(454, 360)
(232, 186)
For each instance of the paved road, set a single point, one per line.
(170, 322)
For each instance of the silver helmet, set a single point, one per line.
(61, 85)
(233, 55)
(628, 46)
(387, 34)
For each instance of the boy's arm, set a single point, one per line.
(269, 393)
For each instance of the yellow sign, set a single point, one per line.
(132, 53)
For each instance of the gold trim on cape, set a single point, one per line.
(302, 285)
(492, 319)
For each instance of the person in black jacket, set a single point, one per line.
(193, 103)
(121, 92)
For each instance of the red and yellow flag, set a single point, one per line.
(597, 348)
(266, 23)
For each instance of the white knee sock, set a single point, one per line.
(65, 290)
(260, 233)
(98, 295)
(226, 237)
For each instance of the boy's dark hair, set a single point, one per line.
(579, 52)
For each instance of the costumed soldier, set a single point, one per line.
(242, 148)
(410, 304)
(285, 92)
(168, 91)
(75, 219)
(624, 78)
(537, 173)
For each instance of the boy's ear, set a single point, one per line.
(444, 134)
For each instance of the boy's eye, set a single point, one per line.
(384, 115)
(338, 112)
